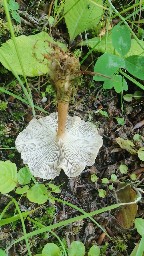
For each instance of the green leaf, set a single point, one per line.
(16, 16)
(38, 194)
(22, 190)
(2, 253)
(104, 44)
(137, 137)
(126, 144)
(102, 193)
(138, 95)
(81, 15)
(8, 176)
(118, 82)
(105, 181)
(108, 84)
(107, 65)
(123, 168)
(103, 113)
(139, 224)
(94, 251)
(128, 97)
(135, 66)
(121, 39)
(31, 49)
(24, 176)
(13, 6)
(77, 248)
(141, 153)
(120, 120)
(111, 187)
(54, 188)
(133, 176)
(51, 249)
(94, 178)
(113, 177)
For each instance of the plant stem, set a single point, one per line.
(62, 117)
(132, 79)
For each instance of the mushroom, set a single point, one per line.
(59, 141)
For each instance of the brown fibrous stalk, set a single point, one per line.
(64, 69)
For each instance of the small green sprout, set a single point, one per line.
(94, 178)
(113, 177)
(120, 120)
(105, 181)
(102, 193)
(133, 176)
(123, 169)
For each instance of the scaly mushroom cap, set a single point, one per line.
(46, 155)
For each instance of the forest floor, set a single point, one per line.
(103, 108)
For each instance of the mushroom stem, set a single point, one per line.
(62, 117)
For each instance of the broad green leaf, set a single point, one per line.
(51, 249)
(81, 15)
(98, 44)
(8, 176)
(118, 82)
(24, 176)
(141, 154)
(104, 44)
(94, 251)
(107, 65)
(38, 194)
(135, 251)
(108, 84)
(121, 39)
(2, 253)
(32, 50)
(22, 190)
(77, 248)
(135, 66)
(139, 224)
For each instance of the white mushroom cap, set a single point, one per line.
(46, 156)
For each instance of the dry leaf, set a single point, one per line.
(127, 213)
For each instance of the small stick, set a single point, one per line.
(62, 117)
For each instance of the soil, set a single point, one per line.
(81, 191)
